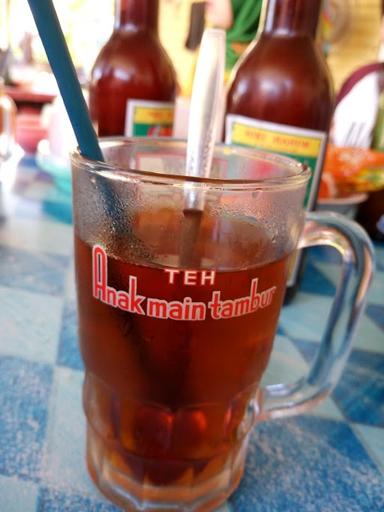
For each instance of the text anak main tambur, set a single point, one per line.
(131, 301)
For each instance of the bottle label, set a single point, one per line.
(149, 118)
(306, 146)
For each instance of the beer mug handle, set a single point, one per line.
(351, 241)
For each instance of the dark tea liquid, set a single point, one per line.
(173, 359)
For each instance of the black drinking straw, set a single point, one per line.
(62, 66)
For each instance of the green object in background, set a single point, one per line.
(378, 134)
(246, 16)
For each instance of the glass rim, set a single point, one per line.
(299, 172)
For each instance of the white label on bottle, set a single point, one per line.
(149, 118)
(306, 146)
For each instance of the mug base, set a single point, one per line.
(186, 494)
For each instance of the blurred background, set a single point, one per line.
(350, 31)
(350, 35)
(87, 25)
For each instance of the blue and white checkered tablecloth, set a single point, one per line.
(331, 460)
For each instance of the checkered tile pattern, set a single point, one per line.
(329, 460)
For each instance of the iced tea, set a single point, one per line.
(174, 356)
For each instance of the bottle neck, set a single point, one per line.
(293, 17)
(137, 14)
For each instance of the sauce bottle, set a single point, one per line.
(281, 96)
(133, 82)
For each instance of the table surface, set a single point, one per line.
(329, 460)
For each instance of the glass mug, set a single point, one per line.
(178, 308)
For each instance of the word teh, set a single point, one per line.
(192, 277)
